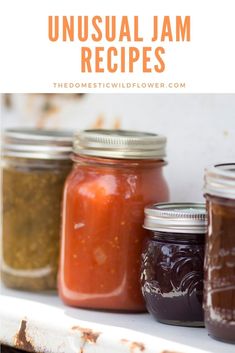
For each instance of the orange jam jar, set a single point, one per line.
(116, 174)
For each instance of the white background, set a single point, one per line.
(29, 62)
(200, 128)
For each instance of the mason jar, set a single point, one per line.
(35, 165)
(116, 174)
(219, 295)
(172, 263)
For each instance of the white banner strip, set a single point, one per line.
(95, 46)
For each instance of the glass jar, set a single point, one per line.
(116, 173)
(36, 163)
(219, 296)
(172, 263)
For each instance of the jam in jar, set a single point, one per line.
(172, 263)
(219, 296)
(35, 165)
(115, 175)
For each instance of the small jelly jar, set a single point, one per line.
(219, 291)
(172, 263)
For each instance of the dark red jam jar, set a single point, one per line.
(219, 292)
(172, 263)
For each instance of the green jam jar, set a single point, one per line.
(35, 166)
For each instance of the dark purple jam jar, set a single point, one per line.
(172, 263)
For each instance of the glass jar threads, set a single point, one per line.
(36, 163)
(116, 174)
(172, 262)
(219, 295)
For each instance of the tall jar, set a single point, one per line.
(116, 173)
(219, 295)
(35, 165)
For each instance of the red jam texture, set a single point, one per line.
(102, 234)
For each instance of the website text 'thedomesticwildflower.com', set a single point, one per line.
(119, 85)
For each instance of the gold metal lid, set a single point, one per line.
(120, 144)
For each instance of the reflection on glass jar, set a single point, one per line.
(116, 173)
(172, 263)
(36, 163)
(219, 303)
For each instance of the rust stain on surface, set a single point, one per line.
(22, 341)
(87, 335)
(134, 346)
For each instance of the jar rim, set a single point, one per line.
(219, 180)
(77, 158)
(180, 217)
(119, 144)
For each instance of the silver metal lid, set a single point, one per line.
(176, 217)
(120, 144)
(37, 143)
(220, 180)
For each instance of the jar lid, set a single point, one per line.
(120, 144)
(37, 143)
(220, 180)
(176, 218)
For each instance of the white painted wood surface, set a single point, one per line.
(52, 327)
